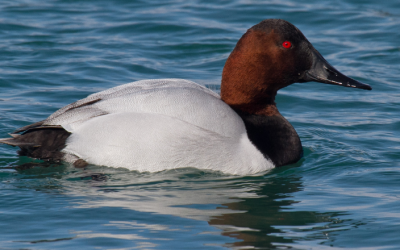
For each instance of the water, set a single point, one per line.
(344, 193)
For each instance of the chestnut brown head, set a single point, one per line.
(272, 55)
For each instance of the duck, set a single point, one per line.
(163, 124)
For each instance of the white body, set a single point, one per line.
(153, 125)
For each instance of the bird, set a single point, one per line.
(161, 124)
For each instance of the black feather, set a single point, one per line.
(37, 141)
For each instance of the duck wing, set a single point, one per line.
(177, 98)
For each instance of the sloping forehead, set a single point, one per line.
(281, 27)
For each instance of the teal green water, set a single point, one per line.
(344, 193)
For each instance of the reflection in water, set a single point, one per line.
(265, 213)
(252, 211)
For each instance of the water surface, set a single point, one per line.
(344, 193)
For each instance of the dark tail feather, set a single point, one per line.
(16, 143)
(39, 141)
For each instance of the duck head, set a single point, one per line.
(269, 56)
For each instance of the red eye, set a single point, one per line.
(287, 44)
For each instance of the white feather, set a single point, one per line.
(153, 125)
(153, 142)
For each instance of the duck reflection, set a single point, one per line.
(255, 211)
(258, 226)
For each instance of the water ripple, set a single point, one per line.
(343, 193)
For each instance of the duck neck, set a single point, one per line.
(266, 128)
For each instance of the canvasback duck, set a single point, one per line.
(154, 125)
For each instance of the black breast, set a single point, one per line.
(275, 137)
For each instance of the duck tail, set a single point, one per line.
(39, 141)
(16, 142)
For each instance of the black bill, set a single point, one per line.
(322, 71)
